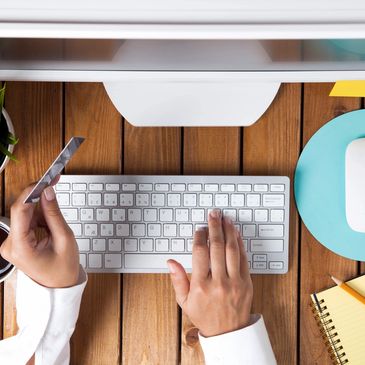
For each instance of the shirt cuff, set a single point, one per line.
(249, 346)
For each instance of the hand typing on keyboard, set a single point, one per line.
(52, 261)
(218, 297)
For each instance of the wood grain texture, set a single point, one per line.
(317, 262)
(207, 151)
(150, 313)
(271, 147)
(36, 112)
(89, 113)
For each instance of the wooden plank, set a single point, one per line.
(89, 113)
(150, 313)
(36, 112)
(317, 261)
(271, 147)
(207, 151)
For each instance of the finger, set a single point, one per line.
(21, 214)
(244, 269)
(232, 250)
(200, 255)
(217, 244)
(53, 216)
(180, 282)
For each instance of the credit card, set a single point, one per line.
(55, 169)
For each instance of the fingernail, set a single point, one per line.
(201, 228)
(49, 193)
(215, 214)
(171, 267)
(228, 220)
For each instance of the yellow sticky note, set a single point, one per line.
(349, 88)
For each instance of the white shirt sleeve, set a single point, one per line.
(247, 346)
(46, 319)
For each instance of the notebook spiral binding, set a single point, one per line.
(329, 334)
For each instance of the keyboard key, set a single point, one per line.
(169, 230)
(261, 215)
(276, 265)
(129, 187)
(162, 245)
(110, 200)
(244, 187)
(138, 230)
(142, 200)
(158, 200)
(261, 187)
(122, 230)
(197, 215)
(134, 215)
(113, 260)
(87, 214)
(96, 187)
(190, 245)
(173, 200)
(83, 260)
(112, 187)
(155, 261)
(78, 199)
(253, 200)
(259, 265)
(277, 215)
(178, 187)
(162, 187)
(95, 260)
(245, 244)
(271, 230)
(154, 230)
(115, 244)
(166, 215)
(237, 200)
(130, 244)
(106, 230)
(126, 200)
(146, 245)
(118, 215)
(211, 187)
(145, 187)
(94, 199)
(245, 215)
(248, 230)
(102, 215)
(277, 187)
(177, 245)
(267, 245)
(259, 257)
(79, 187)
(186, 230)
(181, 215)
(190, 200)
(83, 243)
(227, 187)
(206, 200)
(99, 244)
(221, 200)
(62, 187)
(273, 200)
(76, 229)
(69, 214)
(194, 187)
(150, 215)
(231, 213)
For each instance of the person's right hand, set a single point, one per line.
(53, 261)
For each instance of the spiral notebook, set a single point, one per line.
(342, 321)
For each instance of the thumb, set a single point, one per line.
(180, 281)
(52, 213)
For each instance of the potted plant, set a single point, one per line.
(7, 137)
(6, 268)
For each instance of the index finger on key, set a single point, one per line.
(200, 255)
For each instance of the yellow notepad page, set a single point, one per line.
(349, 88)
(348, 317)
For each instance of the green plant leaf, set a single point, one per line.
(6, 152)
(11, 139)
(2, 97)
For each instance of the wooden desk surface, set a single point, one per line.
(134, 319)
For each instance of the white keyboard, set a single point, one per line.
(130, 224)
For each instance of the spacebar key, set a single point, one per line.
(146, 261)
